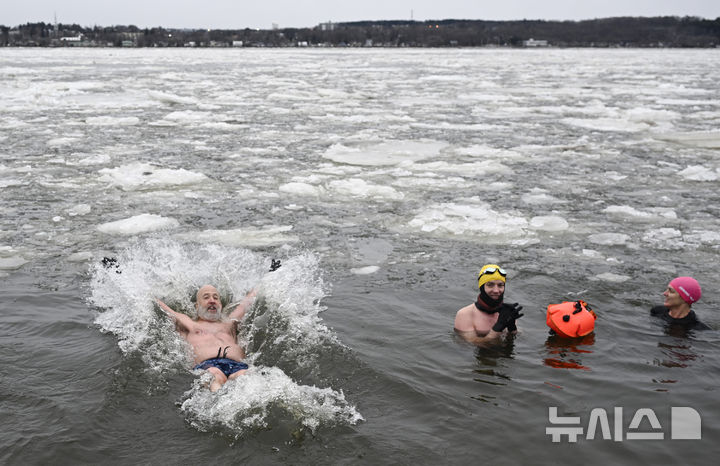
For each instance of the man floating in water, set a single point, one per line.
(213, 336)
(485, 320)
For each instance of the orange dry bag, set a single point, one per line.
(571, 319)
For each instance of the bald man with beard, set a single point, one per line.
(213, 336)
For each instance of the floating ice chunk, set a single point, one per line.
(12, 262)
(142, 223)
(665, 238)
(370, 269)
(94, 160)
(652, 116)
(549, 223)
(56, 142)
(592, 253)
(356, 187)
(145, 176)
(609, 239)
(188, 117)
(458, 219)
(245, 237)
(626, 211)
(301, 189)
(607, 124)
(112, 121)
(707, 139)
(384, 153)
(707, 237)
(539, 197)
(80, 256)
(80, 209)
(632, 213)
(699, 173)
(610, 277)
(168, 98)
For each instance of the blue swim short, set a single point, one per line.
(227, 366)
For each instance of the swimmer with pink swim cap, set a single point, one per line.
(680, 295)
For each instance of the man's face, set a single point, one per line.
(672, 298)
(495, 288)
(208, 303)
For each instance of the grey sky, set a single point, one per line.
(238, 14)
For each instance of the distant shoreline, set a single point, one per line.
(621, 32)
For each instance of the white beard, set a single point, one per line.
(204, 314)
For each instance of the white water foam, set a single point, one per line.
(283, 324)
(245, 404)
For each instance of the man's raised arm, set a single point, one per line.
(182, 322)
(240, 308)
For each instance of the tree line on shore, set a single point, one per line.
(668, 31)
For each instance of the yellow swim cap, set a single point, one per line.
(489, 273)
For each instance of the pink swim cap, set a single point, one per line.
(688, 288)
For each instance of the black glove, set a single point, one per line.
(274, 264)
(507, 316)
(111, 262)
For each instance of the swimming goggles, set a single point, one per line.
(492, 270)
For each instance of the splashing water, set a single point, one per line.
(248, 402)
(282, 328)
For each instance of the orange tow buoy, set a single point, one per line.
(571, 319)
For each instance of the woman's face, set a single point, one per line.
(672, 298)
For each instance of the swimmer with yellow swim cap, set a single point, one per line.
(488, 318)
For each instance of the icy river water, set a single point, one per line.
(383, 180)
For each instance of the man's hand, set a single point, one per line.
(274, 264)
(507, 317)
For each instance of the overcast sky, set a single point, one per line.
(263, 14)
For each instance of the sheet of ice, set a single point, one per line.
(12, 262)
(301, 189)
(474, 218)
(112, 121)
(706, 139)
(138, 176)
(549, 223)
(384, 153)
(609, 239)
(699, 173)
(79, 209)
(650, 215)
(610, 277)
(244, 237)
(169, 98)
(367, 270)
(665, 238)
(540, 197)
(607, 124)
(356, 187)
(137, 224)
